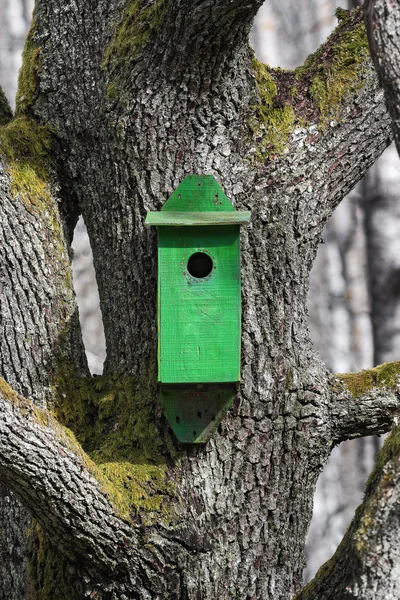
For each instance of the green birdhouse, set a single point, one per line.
(199, 308)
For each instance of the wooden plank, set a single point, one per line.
(194, 412)
(188, 219)
(199, 318)
(199, 193)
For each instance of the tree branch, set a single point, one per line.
(368, 403)
(382, 19)
(365, 564)
(49, 472)
(223, 17)
(326, 121)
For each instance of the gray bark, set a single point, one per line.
(127, 129)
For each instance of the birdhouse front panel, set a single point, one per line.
(199, 304)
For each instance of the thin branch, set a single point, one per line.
(365, 564)
(46, 468)
(365, 403)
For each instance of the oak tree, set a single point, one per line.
(117, 102)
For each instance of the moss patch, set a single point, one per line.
(26, 147)
(28, 74)
(47, 571)
(336, 68)
(114, 419)
(383, 476)
(311, 94)
(7, 392)
(140, 20)
(272, 121)
(386, 375)
(5, 110)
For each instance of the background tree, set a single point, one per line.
(130, 91)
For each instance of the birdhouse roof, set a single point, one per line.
(198, 200)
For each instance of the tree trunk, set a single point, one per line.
(134, 97)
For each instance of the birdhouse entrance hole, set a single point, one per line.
(199, 265)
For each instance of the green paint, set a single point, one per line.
(199, 334)
(198, 193)
(188, 219)
(194, 412)
(198, 313)
(199, 306)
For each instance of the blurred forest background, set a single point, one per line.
(354, 298)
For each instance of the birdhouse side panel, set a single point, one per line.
(199, 304)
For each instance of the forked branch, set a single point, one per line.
(365, 564)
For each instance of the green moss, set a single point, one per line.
(270, 123)
(5, 110)
(389, 452)
(47, 570)
(337, 67)
(343, 15)
(112, 92)
(26, 148)
(386, 375)
(113, 418)
(7, 392)
(140, 20)
(24, 406)
(28, 74)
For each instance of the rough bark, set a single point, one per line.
(382, 19)
(137, 96)
(366, 563)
